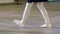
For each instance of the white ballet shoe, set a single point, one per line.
(19, 22)
(46, 25)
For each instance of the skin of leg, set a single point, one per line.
(27, 11)
(44, 13)
(25, 14)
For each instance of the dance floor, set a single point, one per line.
(10, 12)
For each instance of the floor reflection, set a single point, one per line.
(29, 31)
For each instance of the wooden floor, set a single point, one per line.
(10, 12)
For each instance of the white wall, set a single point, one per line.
(6, 1)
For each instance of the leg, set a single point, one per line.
(41, 7)
(25, 15)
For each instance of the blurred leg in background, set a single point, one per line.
(43, 10)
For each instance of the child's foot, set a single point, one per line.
(19, 22)
(46, 25)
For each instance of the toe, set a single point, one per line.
(46, 25)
